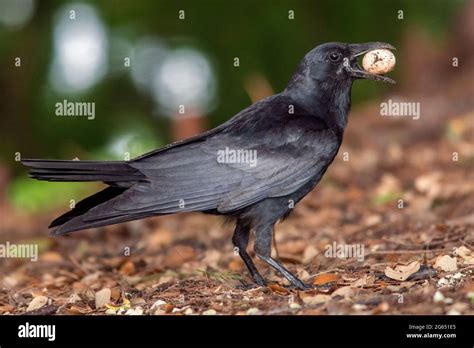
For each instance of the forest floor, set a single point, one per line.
(400, 194)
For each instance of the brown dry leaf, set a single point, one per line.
(123, 307)
(138, 301)
(345, 291)
(325, 278)
(278, 289)
(127, 268)
(382, 308)
(466, 254)
(365, 280)
(74, 298)
(446, 263)
(372, 220)
(102, 297)
(389, 184)
(317, 299)
(303, 274)
(37, 303)
(178, 255)
(292, 247)
(115, 294)
(159, 238)
(79, 310)
(211, 258)
(168, 308)
(236, 265)
(51, 256)
(429, 184)
(402, 272)
(310, 252)
(6, 308)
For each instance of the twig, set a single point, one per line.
(77, 264)
(45, 310)
(459, 270)
(388, 252)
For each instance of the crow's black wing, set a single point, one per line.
(291, 148)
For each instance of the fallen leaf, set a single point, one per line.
(389, 184)
(429, 184)
(74, 298)
(317, 299)
(169, 308)
(134, 311)
(159, 238)
(188, 311)
(138, 301)
(438, 297)
(466, 254)
(303, 274)
(382, 308)
(157, 304)
(51, 256)
(79, 310)
(402, 272)
(446, 263)
(278, 289)
(372, 220)
(120, 308)
(102, 297)
(210, 312)
(115, 294)
(310, 252)
(365, 280)
(345, 291)
(236, 265)
(178, 255)
(37, 303)
(253, 311)
(127, 268)
(6, 308)
(325, 278)
(294, 305)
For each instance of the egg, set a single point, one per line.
(378, 61)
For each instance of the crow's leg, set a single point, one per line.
(263, 248)
(241, 240)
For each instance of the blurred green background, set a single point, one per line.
(138, 60)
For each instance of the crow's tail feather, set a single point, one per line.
(88, 203)
(79, 217)
(77, 223)
(120, 175)
(106, 171)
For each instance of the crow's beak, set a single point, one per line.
(354, 69)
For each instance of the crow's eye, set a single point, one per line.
(334, 57)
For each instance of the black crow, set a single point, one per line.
(252, 168)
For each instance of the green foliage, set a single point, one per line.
(385, 198)
(30, 195)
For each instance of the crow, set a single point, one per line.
(253, 168)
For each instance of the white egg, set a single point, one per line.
(378, 61)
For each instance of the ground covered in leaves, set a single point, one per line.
(401, 189)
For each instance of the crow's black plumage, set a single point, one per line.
(295, 135)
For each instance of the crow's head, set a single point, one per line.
(336, 61)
